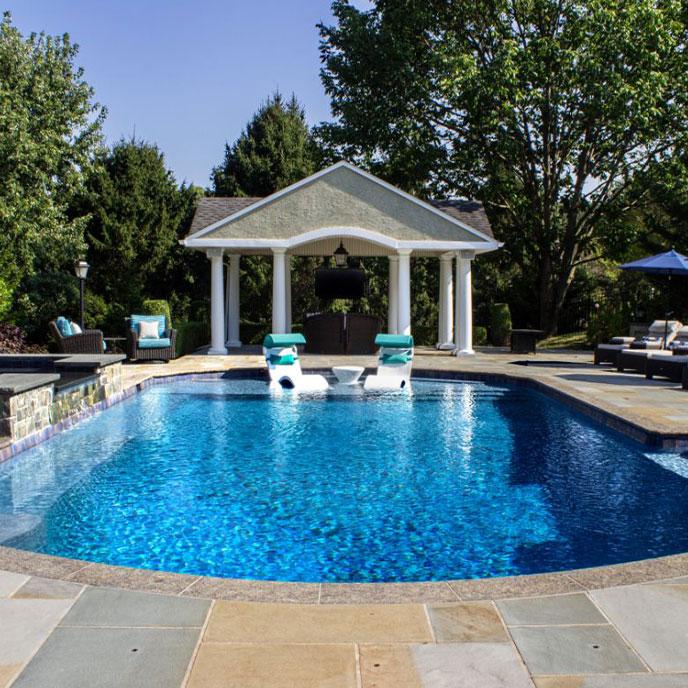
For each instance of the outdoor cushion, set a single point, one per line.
(136, 319)
(272, 341)
(76, 329)
(396, 358)
(621, 340)
(287, 359)
(148, 329)
(63, 327)
(612, 347)
(394, 341)
(154, 343)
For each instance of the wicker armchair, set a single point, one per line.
(135, 352)
(87, 342)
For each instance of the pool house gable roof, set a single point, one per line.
(340, 200)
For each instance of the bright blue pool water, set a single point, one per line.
(456, 480)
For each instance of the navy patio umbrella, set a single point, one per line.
(669, 264)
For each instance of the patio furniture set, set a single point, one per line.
(148, 338)
(663, 352)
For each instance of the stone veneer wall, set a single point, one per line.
(32, 411)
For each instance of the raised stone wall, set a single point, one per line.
(28, 412)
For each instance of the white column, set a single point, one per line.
(233, 300)
(445, 327)
(217, 302)
(279, 300)
(393, 295)
(287, 292)
(464, 305)
(404, 304)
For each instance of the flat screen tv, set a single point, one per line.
(340, 283)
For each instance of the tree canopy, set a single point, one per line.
(544, 109)
(49, 129)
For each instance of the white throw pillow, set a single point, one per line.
(75, 328)
(148, 329)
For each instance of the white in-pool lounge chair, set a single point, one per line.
(394, 363)
(284, 367)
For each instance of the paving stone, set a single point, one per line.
(575, 650)
(111, 658)
(614, 681)
(310, 623)
(252, 590)
(470, 665)
(10, 582)
(132, 579)
(654, 619)
(110, 607)
(274, 666)
(7, 673)
(370, 593)
(467, 622)
(551, 611)
(25, 624)
(514, 586)
(388, 666)
(37, 588)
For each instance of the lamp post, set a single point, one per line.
(81, 271)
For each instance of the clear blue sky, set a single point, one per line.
(188, 75)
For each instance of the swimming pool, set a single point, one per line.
(456, 480)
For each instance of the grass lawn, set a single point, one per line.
(572, 340)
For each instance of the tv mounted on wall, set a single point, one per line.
(340, 283)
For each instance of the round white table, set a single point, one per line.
(347, 375)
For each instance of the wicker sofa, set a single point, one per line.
(162, 349)
(86, 342)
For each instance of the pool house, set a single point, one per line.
(343, 211)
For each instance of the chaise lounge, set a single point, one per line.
(654, 343)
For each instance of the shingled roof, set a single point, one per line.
(212, 209)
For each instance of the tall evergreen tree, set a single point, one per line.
(276, 149)
(137, 215)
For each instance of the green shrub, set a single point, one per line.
(191, 335)
(500, 324)
(157, 307)
(479, 335)
(606, 322)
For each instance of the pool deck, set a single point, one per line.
(72, 623)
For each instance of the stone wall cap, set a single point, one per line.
(16, 383)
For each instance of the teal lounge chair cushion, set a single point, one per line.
(160, 319)
(394, 341)
(288, 359)
(396, 358)
(159, 343)
(64, 327)
(273, 341)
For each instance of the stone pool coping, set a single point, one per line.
(577, 580)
